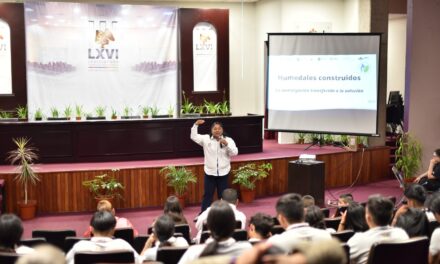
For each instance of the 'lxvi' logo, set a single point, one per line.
(104, 54)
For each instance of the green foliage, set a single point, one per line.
(302, 135)
(154, 110)
(187, 106)
(24, 156)
(344, 139)
(408, 155)
(170, 110)
(79, 110)
(55, 113)
(38, 113)
(248, 174)
(5, 114)
(145, 110)
(22, 112)
(100, 111)
(211, 107)
(178, 178)
(105, 185)
(199, 109)
(224, 108)
(127, 111)
(68, 111)
(328, 139)
(114, 113)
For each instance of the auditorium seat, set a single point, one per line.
(104, 257)
(240, 235)
(54, 237)
(185, 230)
(8, 258)
(237, 225)
(139, 243)
(126, 234)
(32, 242)
(326, 212)
(70, 241)
(332, 222)
(170, 255)
(343, 236)
(412, 251)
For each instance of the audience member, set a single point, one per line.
(11, 230)
(162, 236)
(353, 218)
(121, 222)
(290, 214)
(43, 254)
(415, 195)
(434, 247)
(260, 226)
(343, 202)
(221, 224)
(174, 209)
(378, 214)
(103, 226)
(430, 180)
(308, 200)
(229, 195)
(315, 218)
(414, 222)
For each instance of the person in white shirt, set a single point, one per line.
(221, 224)
(103, 224)
(260, 226)
(290, 214)
(162, 236)
(378, 214)
(229, 195)
(434, 245)
(218, 150)
(11, 230)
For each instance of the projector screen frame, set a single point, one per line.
(267, 69)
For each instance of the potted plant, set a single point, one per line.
(105, 186)
(344, 139)
(178, 179)
(127, 113)
(211, 108)
(170, 111)
(114, 114)
(38, 114)
(22, 113)
(301, 138)
(79, 112)
(55, 114)
(328, 139)
(408, 156)
(7, 116)
(68, 111)
(224, 108)
(145, 111)
(155, 112)
(24, 156)
(247, 175)
(100, 114)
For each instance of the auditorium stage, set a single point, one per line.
(60, 189)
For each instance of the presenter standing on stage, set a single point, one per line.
(217, 150)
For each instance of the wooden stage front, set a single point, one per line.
(60, 189)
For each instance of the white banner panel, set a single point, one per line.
(5, 59)
(205, 57)
(115, 56)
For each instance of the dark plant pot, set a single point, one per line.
(78, 118)
(114, 117)
(208, 114)
(247, 195)
(190, 115)
(8, 119)
(145, 117)
(227, 114)
(160, 116)
(95, 118)
(27, 211)
(58, 118)
(130, 117)
(23, 119)
(38, 118)
(301, 141)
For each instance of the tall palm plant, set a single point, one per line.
(24, 156)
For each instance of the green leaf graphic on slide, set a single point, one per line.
(365, 68)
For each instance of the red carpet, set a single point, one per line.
(142, 218)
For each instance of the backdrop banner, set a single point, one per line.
(121, 57)
(5, 59)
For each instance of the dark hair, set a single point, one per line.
(230, 195)
(355, 218)
(103, 221)
(173, 208)
(163, 229)
(263, 224)
(11, 230)
(414, 222)
(308, 200)
(347, 197)
(216, 123)
(380, 209)
(315, 217)
(221, 224)
(434, 204)
(291, 207)
(437, 152)
(416, 192)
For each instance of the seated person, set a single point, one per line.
(103, 227)
(290, 214)
(308, 200)
(379, 213)
(343, 202)
(260, 226)
(415, 196)
(353, 219)
(174, 209)
(229, 195)
(163, 231)
(221, 224)
(121, 222)
(43, 254)
(434, 245)
(431, 178)
(315, 217)
(11, 230)
(414, 222)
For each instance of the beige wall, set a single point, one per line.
(396, 53)
(423, 71)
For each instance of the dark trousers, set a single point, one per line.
(211, 183)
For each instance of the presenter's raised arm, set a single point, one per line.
(195, 136)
